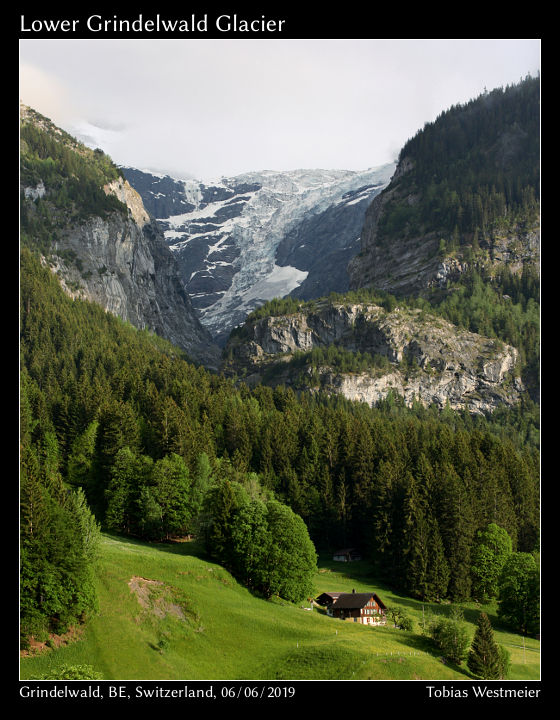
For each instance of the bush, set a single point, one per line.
(72, 672)
(400, 619)
(451, 637)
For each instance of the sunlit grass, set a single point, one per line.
(224, 632)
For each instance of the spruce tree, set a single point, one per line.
(484, 656)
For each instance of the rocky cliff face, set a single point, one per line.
(428, 359)
(118, 259)
(124, 265)
(414, 261)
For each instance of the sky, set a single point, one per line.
(207, 108)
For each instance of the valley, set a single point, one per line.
(224, 382)
(244, 240)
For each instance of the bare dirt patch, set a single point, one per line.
(54, 641)
(155, 597)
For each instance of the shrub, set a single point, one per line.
(72, 672)
(451, 637)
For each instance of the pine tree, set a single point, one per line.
(456, 529)
(484, 656)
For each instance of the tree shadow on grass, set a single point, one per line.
(412, 642)
(193, 547)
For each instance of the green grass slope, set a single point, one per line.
(166, 613)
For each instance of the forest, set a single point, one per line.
(476, 169)
(75, 177)
(118, 423)
(120, 431)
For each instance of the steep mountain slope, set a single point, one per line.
(465, 195)
(243, 240)
(94, 232)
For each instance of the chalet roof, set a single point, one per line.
(348, 601)
(329, 595)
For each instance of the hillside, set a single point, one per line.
(123, 417)
(365, 352)
(465, 195)
(450, 249)
(167, 613)
(92, 229)
(131, 439)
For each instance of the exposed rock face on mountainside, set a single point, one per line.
(425, 358)
(241, 241)
(127, 269)
(413, 262)
(117, 258)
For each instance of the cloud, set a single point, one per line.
(220, 107)
(46, 94)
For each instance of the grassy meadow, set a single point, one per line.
(166, 613)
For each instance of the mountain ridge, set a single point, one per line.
(92, 229)
(464, 195)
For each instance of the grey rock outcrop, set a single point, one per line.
(429, 359)
(404, 267)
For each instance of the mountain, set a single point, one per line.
(444, 300)
(92, 229)
(243, 240)
(119, 430)
(465, 195)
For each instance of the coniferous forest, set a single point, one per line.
(477, 166)
(122, 420)
(121, 432)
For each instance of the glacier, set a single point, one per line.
(229, 233)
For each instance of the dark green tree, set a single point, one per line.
(519, 593)
(171, 486)
(437, 578)
(456, 527)
(81, 457)
(250, 538)
(292, 560)
(491, 549)
(484, 659)
(220, 504)
(123, 489)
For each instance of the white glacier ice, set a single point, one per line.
(267, 215)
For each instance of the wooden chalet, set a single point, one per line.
(366, 608)
(347, 555)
